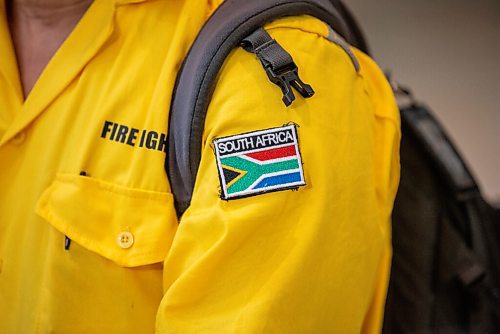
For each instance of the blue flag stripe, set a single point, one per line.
(279, 180)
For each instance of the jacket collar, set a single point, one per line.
(94, 29)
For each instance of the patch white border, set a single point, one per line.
(255, 192)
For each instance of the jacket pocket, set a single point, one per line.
(128, 226)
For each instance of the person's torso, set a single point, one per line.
(82, 157)
(82, 168)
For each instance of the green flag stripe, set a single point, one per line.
(255, 171)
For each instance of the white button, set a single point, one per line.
(125, 240)
(18, 139)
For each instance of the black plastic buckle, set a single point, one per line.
(286, 78)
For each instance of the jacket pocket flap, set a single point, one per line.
(129, 226)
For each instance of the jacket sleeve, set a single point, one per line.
(311, 260)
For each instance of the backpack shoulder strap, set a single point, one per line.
(233, 21)
(439, 147)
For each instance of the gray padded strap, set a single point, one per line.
(233, 21)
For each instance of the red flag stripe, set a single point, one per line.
(276, 153)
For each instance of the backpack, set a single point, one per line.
(445, 273)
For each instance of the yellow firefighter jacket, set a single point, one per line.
(89, 239)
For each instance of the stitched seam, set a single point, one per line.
(112, 188)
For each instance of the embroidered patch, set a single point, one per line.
(259, 162)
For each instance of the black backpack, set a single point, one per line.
(446, 261)
(445, 273)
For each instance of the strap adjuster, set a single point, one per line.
(286, 78)
(278, 64)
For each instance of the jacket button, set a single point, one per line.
(19, 138)
(125, 240)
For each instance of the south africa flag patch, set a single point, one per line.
(259, 162)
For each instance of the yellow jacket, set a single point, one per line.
(315, 260)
